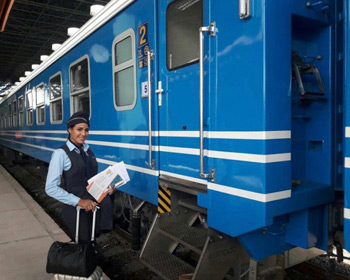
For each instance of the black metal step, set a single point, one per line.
(193, 238)
(191, 203)
(167, 265)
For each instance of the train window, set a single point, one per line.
(183, 20)
(2, 118)
(55, 88)
(21, 111)
(80, 86)
(9, 115)
(124, 70)
(40, 104)
(29, 107)
(14, 110)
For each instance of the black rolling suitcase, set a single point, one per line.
(76, 260)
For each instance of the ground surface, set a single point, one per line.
(115, 256)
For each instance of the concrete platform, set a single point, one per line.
(26, 233)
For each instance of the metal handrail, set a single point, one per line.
(149, 58)
(212, 30)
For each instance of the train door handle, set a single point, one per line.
(212, 30)
(159, 91)
(150, 56)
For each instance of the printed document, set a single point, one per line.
(112, 177)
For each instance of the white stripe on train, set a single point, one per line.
(248, 157)
(216, 187)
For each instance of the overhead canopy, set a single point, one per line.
(32, 26)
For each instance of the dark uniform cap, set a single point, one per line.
(78, 117)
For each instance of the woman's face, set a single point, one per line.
(79, 133)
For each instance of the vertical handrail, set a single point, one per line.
(210, 29)
(149, 58)
(201, 74)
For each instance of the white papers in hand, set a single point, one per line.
(113, 176)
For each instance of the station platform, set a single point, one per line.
(26, 233)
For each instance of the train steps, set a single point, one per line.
(180, 243)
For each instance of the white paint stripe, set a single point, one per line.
(122, 133)
(187, 151)
(122, 145)
(35, 131)
(92, 142)
(249, 194)
(108, 12)
(347, 132)
(259, 158)
(347, 162)
(178, 150)
(347, 213)
(188, 178)
(36, 137)
(245, 135)
(224, 189)
(242, 135)
(30, 145)
(131, 167)
(229, 155)
(249, 157)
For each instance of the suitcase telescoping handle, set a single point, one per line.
(93, 224)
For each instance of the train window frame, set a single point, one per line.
(56, 99)
(123, 66)
(9, 114)
(1, 124)
(40, 106)
(14, 112)
(29, 109)
(193, 61)
(21, 111)
(83, 90)
(2, 118)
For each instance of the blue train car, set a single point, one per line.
(231, 116)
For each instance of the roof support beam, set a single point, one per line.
(5, 8)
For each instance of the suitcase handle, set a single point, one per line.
(93, 224)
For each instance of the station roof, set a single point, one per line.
(32, 27)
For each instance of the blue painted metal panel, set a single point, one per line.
(180, 105)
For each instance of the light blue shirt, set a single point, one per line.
(60, 162)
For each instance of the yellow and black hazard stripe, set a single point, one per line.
(164, 200)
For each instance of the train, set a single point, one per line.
(232, 118)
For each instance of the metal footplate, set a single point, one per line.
(182, 236)
(167, 265)
(191, 237)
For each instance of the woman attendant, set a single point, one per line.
(76, 163)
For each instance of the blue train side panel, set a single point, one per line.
(254, 192)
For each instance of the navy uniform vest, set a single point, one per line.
(75, 182)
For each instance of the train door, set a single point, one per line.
(178, 87)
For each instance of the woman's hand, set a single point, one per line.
(87, 204)
(111, 189)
